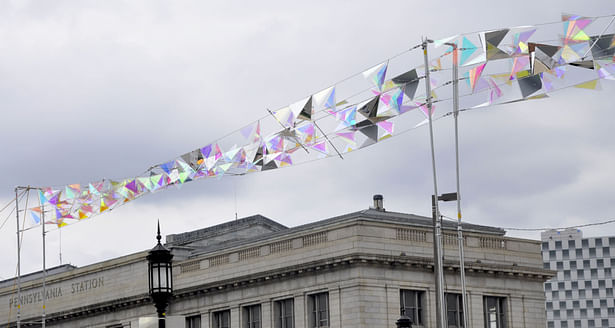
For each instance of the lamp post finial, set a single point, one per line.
(158, 237)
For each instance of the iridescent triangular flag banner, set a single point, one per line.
(498, 67)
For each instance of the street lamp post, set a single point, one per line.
(404, 321)
(160, 277)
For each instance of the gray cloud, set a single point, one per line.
(106, 89)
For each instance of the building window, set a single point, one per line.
(411, 302)
(454, 310)
(252, 316)
(222, 319)
(318, 307)
(284, 313)
(495, 312)
(193, 321)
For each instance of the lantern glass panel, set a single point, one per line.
(163, 276)
(155, 276)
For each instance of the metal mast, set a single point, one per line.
(459, 227)
(437, 223)
(18, 260)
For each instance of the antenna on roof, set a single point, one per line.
(235, 191)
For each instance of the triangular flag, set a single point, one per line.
(410, 81)
(493, 52)
(591, 85)
(475, 74)
(82, 215)
(306, 111)
(42, 197)
(495, 37)
(132, 186)
(325, 99)
(35, 217)
(467, 49)
(347, 137)
(167, 167)
(530, 85)
(321, 147)
(376, 74)
(369, 108)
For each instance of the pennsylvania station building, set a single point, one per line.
(362, 270)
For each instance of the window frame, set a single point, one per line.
(191, 319)
(316, 319)
(457, 311)
(248, 316)
(215, 318)
(417, 312)
(501, 304)
(281, 313)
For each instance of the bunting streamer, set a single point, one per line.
(499, 67)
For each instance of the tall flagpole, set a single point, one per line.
(44, 265)
(466, 317)
(438, 268)
(18, 260)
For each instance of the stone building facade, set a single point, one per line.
(581, 294)
(355, 270)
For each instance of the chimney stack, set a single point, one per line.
(378, 203)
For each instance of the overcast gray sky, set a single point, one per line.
(93, 89)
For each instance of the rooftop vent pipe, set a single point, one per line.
(378, 203)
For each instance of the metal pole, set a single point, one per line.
(18, 260)
(44, 265)
(438, 270)
(462, 270)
